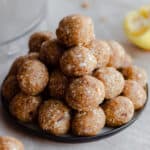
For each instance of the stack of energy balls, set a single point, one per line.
(74, 82)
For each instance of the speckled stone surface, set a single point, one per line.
(108, 16)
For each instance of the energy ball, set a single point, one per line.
(112, 80)
(32, 77)
(54, 117)
(25, 107)
(9, 143)
(101, 50)
(88, 123)
(50, 52)
(78, 61)
(135, 73)
(10, 87)
(117, 54)
(85, 93)
(118, 111)
(58, 84)
(37, 39)
(75, 30)
(20, 60)
(134, 91)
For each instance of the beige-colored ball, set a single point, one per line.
(118, 111)
(54, 117)
(85, 93)
(117, 54)
(88, 123)
(135, 73)
(10, 87)
(51, 52)
(37, 39)
(135, 92)
(10, 143)
(75, 30)
(101, 50)
(32, 77)
(112, 79)
(25, 107)
(58, 84)
(78, 61)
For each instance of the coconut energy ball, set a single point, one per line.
(9, 143)
(134, 91)
(135, 73)
(118, 111)
(85, 93)
(37, 39)
(25, 107)
(20, 60)
(78, 61)
(88, 123)
(54, 117)
(50, 52)
(58, 84)
(112, 79)
(75, 30)
(10, 87)
(101, 50)
(117, 54)
(32, 77)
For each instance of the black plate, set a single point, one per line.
(106, 132)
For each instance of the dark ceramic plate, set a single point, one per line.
(34, 129)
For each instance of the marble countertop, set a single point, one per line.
(108, 18)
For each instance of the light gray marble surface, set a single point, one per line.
(137, 136)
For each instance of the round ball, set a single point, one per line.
(78, 61)
(9, 143)
(134, 91)
(10, 87)
(58, 84)
(85, 93)
(32, 77)
(88, 123)
(54, 117)
(101, 50)
(24, 107)
(135, 73)
(37, 39)
(117, 54)
(75, 30)
(50, 52)
(20, 60)
(112, 80)
(118, 111)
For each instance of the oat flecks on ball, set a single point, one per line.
(117, 54)
(101, 50)
(58, 84)
(25, 107)
(32, 77)
(75, 30)
(135, 73)
(20, 60)
(112, 80)
(54, 117)
(85, 93)
(50, 52)
(10, 143)
(88, 123)
(118, 111)
(37, 39)
(135, 92)
(78, 61)
(10, 87)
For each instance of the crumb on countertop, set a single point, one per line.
(85, 4)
